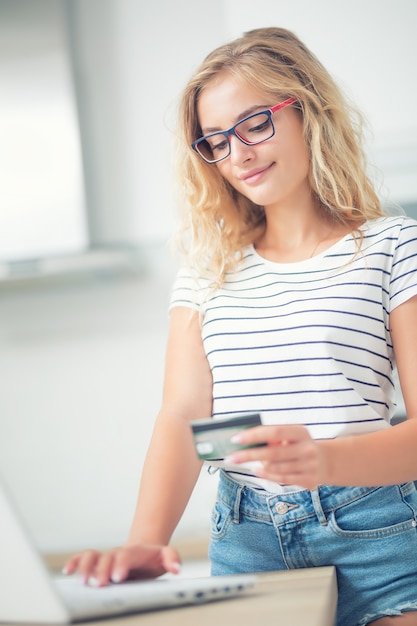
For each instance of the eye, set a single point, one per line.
(220, 146)
(255, 129)
(261, 127)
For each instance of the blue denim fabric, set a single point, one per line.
(368, 533)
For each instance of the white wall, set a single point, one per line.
(132, 68)
(370, 47)
(81, 360)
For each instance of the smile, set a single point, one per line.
(254, 176)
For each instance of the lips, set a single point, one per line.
(255, 175)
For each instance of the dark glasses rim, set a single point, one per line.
(232, 131)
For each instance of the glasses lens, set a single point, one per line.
(252, 130)
(214, 148)
(255, 129)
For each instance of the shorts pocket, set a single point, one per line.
(409, 494)
(221, 519)
(380, 512)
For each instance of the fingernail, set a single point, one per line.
(65, 571)
(236, 438)
(176, 567)
(93, 582)
(116, 577)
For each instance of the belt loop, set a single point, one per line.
(315, 497)
(236, 508)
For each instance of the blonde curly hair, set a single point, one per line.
(217, 221)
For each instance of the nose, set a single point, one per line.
(239, 151)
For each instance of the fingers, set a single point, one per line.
(136, 562)
(100, 568)
(290, 455)
(273, 434)
(303, 471)
(71, 565)
(171, 560)
(83, 563)
(148, 561)
(102, 573)
(279, 440)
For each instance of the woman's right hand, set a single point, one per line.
(120, 564)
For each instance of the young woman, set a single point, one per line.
(299, 301)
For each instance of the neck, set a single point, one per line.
(294, 234)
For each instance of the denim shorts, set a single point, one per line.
(368, 533)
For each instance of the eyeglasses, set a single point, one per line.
(252, 130)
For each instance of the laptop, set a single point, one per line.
(31, 593)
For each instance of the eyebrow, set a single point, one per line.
(241, 116)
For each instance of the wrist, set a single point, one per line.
(328, 464)
(149, 536)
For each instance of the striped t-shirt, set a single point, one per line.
(308, 342)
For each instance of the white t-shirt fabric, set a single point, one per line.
(308, 342)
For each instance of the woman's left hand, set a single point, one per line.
(290, 455)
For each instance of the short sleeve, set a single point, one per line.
(185, 291)
(403, 280)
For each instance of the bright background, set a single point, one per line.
(87, 116)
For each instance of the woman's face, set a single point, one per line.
(271, 174)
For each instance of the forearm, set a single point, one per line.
(381, 458)
(169, 475)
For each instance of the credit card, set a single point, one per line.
(212, 436)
